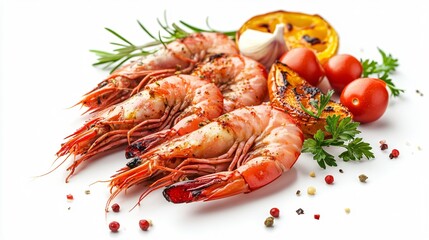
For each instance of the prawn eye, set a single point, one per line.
(134, 162)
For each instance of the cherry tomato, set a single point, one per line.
(341, 69)
(304, 62)
(366, 98)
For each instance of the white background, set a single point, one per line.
(45, 67)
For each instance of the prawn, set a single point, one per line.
(179, 102)
(242, 81)
(179, 56)
(237, 152)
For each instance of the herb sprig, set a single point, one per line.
(382, 70)
(126, 49)
(319, 105)
(343, 134)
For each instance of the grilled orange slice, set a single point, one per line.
(302, 30)
(287, 91)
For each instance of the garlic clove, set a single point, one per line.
(263, 47)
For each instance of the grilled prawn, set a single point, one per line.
(179, 56)
(179, 102)
(242, 81)
(238, 152)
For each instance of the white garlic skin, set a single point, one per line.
(263, 47)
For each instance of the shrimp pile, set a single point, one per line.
(179, 56)
(238, 152)
(193, 118)
(178, 103)
(242, 81)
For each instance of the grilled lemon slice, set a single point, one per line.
(287, 91)
(302, 30)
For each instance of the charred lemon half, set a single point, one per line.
(291, 93)
(302, 30)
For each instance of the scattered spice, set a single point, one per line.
(347, 210)
(275, 212)
(144, 224)
(69, 197)
(383, 145)
(317, 216)
(299, 211)
(341, 170)
(312, 174)
(298, 192)
(311, 190)
(363, 178)
(87, 192)
(68, 208)
(419, 93)
(269, 222)
(116, 207)
(329, 179)
(394, 154)
(114, 226)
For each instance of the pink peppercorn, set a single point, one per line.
(115, 207)
(394, 154)
(275, 212)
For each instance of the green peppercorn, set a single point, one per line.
(269, 222)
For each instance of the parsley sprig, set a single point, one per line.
(126, 49)
(319, 105)
(382, 70)
(343, 134)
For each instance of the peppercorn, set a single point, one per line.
(298, 192)
(311, 190)
(316, 216)
(115, 207)
(394, 154)
(363, 178)
(114, 226)
(144, 224)
(269, 222)
(329, 179)
(275, 212)
(384, 146)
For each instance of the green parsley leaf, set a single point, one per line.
(382, 70)
(356, 150)
(314, 146)
(343, 134)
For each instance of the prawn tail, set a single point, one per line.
(205, 188)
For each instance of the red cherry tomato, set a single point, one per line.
(304, 62)
(366, 98)
(341, 69)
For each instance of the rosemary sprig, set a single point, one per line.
(126, 49)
